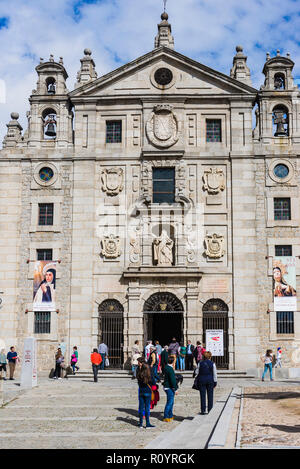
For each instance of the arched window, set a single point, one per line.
(279, 81)
(49, 124)
(51, 85)
(280, 119)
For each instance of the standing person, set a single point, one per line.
(170, 388)
(278, 358)
(181, 356)
(147, 349)
(3, 363)
(96, 360)
(12, 358)
(103, 350)
(267, 360)
(74, 359)
(158, 355)
(164, 358)
(152, 362)
(198, 352)
(59, 363)
(145, 382)
(189, 355)
(135, 354)
(173, 347)
(206, 381)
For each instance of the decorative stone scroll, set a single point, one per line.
(110, 247)
(162, 127)
(214, 180)
(112, 180)
(214, 246)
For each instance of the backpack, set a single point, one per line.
(51, 374)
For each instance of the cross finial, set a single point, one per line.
(165, 4)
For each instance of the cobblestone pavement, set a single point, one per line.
(271, 416)
(79, 413)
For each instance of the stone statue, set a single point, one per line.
(163, 246)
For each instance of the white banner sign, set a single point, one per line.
(214, 342)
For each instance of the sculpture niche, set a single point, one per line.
(163, 249)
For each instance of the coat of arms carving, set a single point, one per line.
(162, 127)
(110, 246)
(214, 180)
(112, 180)
(214, 246)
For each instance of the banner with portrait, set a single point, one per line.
(284, 283)
(215, 342)
(44, 283)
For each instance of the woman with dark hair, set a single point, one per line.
(46, 289)
(281, 288)
(267, 359)
(145, 381)
(59, 363)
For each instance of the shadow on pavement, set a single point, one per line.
(284, 428)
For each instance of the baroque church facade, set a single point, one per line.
(158, 203)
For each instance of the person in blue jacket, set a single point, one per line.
(206, 379)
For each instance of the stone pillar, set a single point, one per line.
(193, 315)
(29, 364)
(135, 319)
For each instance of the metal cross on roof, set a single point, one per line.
(165, 4)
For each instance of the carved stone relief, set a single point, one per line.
(214, 180)
(162, 127)
(112, 180)
(214, 246)
(110, 247)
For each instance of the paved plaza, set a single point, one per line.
(78, 413)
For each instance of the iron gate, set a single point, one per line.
(111, 329)
(215, 316)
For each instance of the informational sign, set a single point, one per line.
(29, 364)
(44, 278)
(214, 342)
(284, 283)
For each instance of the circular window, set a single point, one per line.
(281, 171)
(46, 174)
(163, 76)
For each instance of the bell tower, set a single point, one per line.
(276, 116)
(50, 117)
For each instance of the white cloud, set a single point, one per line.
(118, 31)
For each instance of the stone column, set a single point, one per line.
(193, 315)
(135, 319)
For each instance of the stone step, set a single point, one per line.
(127, 374)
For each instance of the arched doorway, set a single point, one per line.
(111, 330)
(215, 317)
(163, 318)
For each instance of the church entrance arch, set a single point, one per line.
(163, 318)
(215, 317)
(111, 330)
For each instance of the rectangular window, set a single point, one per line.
(213, 130)
(163, 185)
(285, 322)
(113, 131)
(46, 214)
(283, 250)
(282, 208)
(44, 254)
(42, 322)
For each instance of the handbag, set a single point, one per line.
(196, 385)
(106, 362)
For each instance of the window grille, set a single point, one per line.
(42, 322)
(113, 131)
(285, 322)
(283, 250)
(46, 214)
(213, 130)
(44, 254)
(282, 208)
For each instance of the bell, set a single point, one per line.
(50, 132)
(51, 88)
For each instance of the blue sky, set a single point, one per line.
(118, 31)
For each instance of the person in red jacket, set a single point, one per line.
(96, 360)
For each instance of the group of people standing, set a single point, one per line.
(149, 361)
(269, 360)
(11, 358)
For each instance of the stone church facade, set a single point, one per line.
(159, 205)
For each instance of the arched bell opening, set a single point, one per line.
(215, 318)
(163, 318)
(51, 85)
(111, 330)
(279, 81)
(49, 124)
(280, 119)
